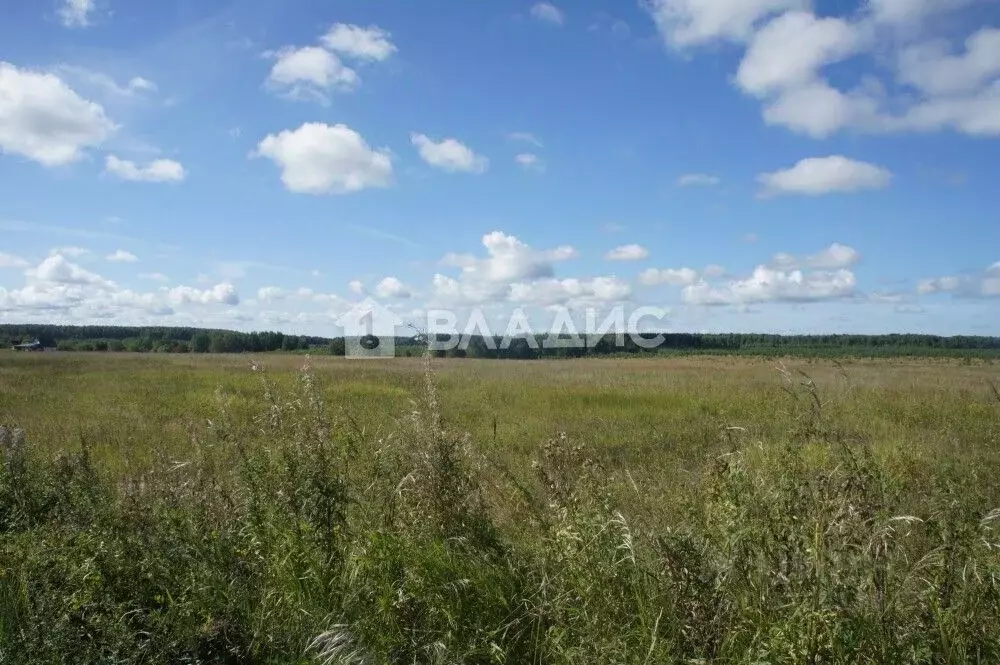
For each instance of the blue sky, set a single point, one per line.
(764, 165)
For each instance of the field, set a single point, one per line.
(197, 509)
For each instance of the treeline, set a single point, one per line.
(157, 339)
(197, 340)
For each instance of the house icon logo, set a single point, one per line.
(369, 330)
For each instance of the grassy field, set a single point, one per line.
(182, 509)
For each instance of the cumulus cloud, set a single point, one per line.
(318, 158)
(220, 294)
(573, 292)
(45, 120)
(834, 257)
(697, 179)
(824, 175)
(771, 285)
(508, 261)
(547, 12)
(391, 287)
(685, 23)
(159, 170)
(935, 84)
(57, 269)
(449, 154)
(985, 284)
(310, 72)
(371, 43)
(627, 253)
(121, 256)
(76, 13)
(356, 287)
(671, 276)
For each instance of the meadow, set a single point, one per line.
(690, 509)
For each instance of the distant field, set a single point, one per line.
(655, 427)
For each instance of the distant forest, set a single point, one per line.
(198, 340)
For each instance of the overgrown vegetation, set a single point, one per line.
(290, 528)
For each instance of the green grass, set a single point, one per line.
(182, 509)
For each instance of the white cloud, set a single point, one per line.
(671, 276)
(834, 257)
(627, 253)
(819, 110)
(76, 13)
(508, 261)
(160, 170)
(270, 293)
(356, 287)
(57, 269)
(546, 11)
(930, 66)
(982, 285)
(43, 119)
(11, 261)
(525, 137)
(572, 291)
(318, 158)
(824, 175)
(101, 82)
(154, 276)
(310, 72)
(71, 251)
(770, 285)
(697, 179)
(530, 161)
(685, 23)
(789, 50)
(220, 294)
(371, 43)
(121, 256)
(449, 154)
(391, 287)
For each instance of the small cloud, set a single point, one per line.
(71, 251)
(612, 227)
(525, 137)
(154, 276)
(671, 276)
(356, 287)
(816, 176)
(160, 170)
(750, 238)
(235, 133)
(352, 41)
(697, 180)
(549, 13)
(121, 256)
(627, 253)
(530, 161)
(390, 287)
(449, 154)
(77, 13)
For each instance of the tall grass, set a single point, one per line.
(298, 535)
